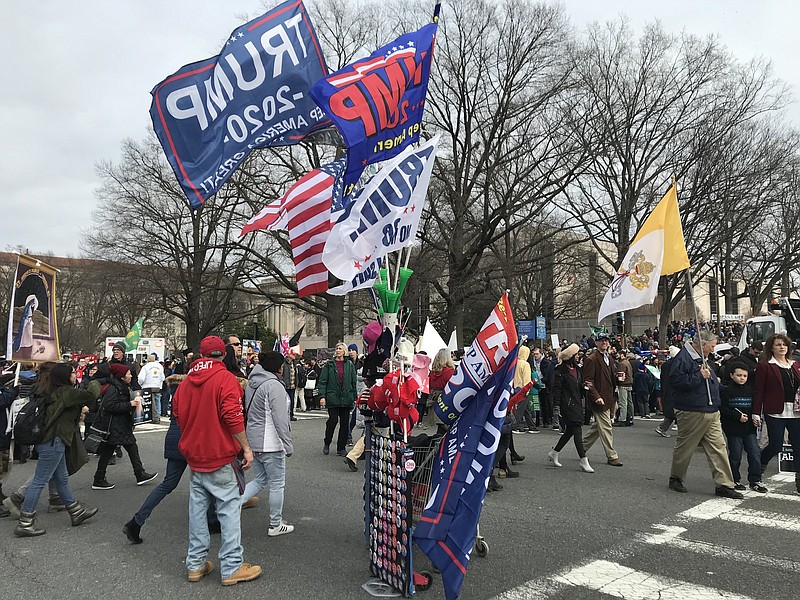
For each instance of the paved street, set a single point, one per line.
(552, 533)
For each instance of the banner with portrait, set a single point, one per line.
(32, 325)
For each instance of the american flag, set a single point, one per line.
(304, 211)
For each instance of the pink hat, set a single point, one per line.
(371, 334)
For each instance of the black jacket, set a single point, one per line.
(737, 399)
(568, 392)
(116, 412)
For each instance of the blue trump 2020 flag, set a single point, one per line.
(377, 102)
(447, 527)
(210, 114)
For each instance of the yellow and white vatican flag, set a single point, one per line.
(658, 249)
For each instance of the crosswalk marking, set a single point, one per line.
(623, 582)
(672, 536)
(617, 580)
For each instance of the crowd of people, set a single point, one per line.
(597, 383)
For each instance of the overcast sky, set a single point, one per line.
(77, 76)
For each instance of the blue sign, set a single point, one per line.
(210, 114)
(377, 102)
(541, 328)
(526, 328)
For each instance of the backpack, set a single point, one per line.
(29, 427)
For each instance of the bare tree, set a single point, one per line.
(665, 105)
(186, 263)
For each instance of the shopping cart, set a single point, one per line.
(425, 449)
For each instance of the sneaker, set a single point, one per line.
(520, 431)
(501, 474)
(556, 428)
(738, 486)
(103, 485)
(326, 449)
(677, 485)
(4, 512)
(534, 430)
(253, 502)
(727, 492)
(281, 529)
(674, 427)
(663, 434)
(198, 575)
(246, 572)
(758, 487)
(145, 478)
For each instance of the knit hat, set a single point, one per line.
(371, 334)
(353, 347)
(120, 346)
(212, 345)
(568, 352)
(118, 370)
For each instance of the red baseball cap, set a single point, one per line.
(212, 346)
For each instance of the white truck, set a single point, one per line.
(146, 346)
(782, 319)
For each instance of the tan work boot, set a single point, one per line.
(252, 503)
(246, 572)
(198, 575)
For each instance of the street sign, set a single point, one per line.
(526, 328)
(541, 328)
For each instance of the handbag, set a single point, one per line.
(98, 434)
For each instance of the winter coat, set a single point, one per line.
(641, 383)
(267, 406)
(688, 387)
(568, 392)
(602, 380)
(342, 396)
(173, 436)
(522, 376)
(151, 377)
(64, 411)
(116, 413)
(209, 411)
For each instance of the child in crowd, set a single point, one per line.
(737, 401)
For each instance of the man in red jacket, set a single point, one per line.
(208, 408)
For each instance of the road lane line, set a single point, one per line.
(761, 518)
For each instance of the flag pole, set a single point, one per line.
(690, 294)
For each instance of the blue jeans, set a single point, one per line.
(776, 429)
(750, 445)
(269, 468)
(155, 407)
(221, 488)
(51, 464)
(172, 478)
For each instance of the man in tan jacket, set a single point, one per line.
(599, 375)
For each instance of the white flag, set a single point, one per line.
(385, 214)
(431, 341)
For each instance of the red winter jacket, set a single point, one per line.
(208, 408)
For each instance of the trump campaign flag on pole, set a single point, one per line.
(494, 342)
(446, 530)
(377, 102)
(658, 249)
(210, 114)
(383, 217)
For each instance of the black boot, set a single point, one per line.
(516, 459)
(131, 531)
(27, 525)
(78, 514)
(494, 486)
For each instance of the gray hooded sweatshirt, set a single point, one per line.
(267, 406)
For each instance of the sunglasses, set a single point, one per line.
(235, 344)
